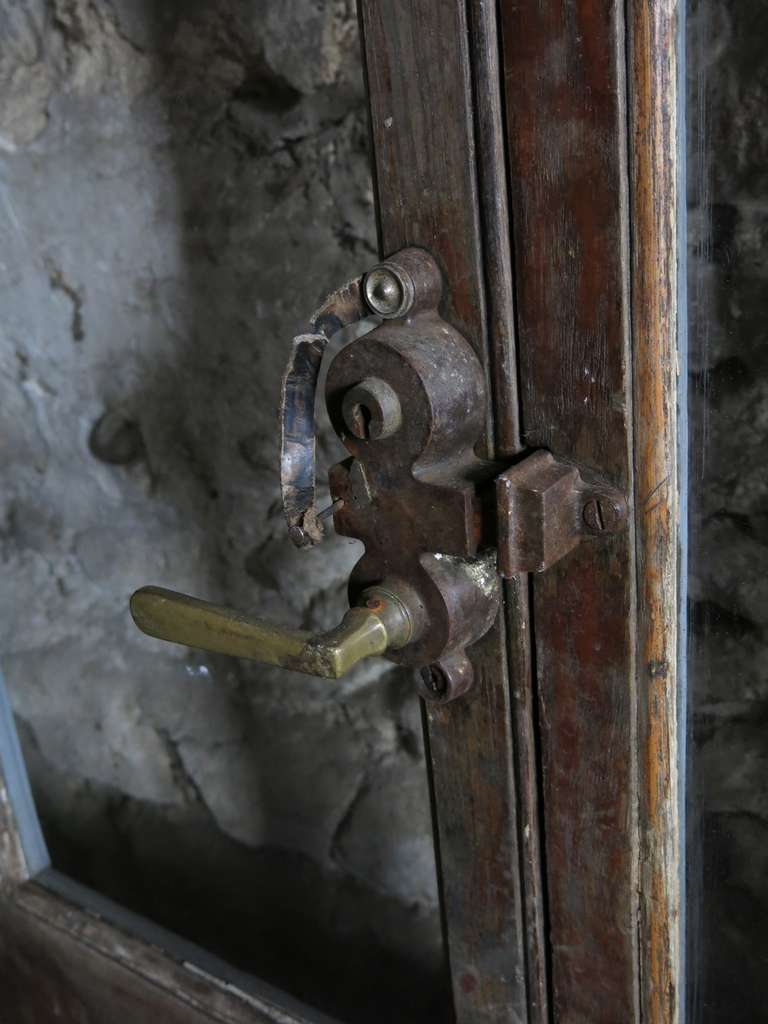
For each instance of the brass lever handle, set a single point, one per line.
(383, 622)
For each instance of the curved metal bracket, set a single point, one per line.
(297, 438)
(297, 411)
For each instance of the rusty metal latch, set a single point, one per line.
(440, 526)
(544, 509)
(543, 506)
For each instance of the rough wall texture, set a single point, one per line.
(180, 183)
(728, 162)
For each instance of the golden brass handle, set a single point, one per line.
(383, 622)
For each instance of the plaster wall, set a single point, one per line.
(180, 185)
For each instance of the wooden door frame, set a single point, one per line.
(491, 122)
(594, 138)
(656, 35)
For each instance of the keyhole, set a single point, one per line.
(361, 419)
(371, 410)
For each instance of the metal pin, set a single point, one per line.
(326, 512)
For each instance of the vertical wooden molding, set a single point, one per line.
(566, 109)
(493, 181)
(431, 145)
(654, 172)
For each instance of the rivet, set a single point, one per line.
(388, 292)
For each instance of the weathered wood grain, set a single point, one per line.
(517, 611)
(654, 197)
(60, 962)
(494, 215)
(424, 130)
(566, 118)
(493, 188)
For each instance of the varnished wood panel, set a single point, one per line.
(654, 184)
(566, 117)
(420, 81)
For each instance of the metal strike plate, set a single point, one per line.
(544, 509)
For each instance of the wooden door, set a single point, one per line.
(532, 149)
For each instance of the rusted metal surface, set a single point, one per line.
(297, 411)
(654, 196)
(341, 308)
(566, 117)
(298, 439)
(545, 509)
(411, 283)
(423, 126)
(413, 490)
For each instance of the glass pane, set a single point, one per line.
(728, 651)
(180, 185)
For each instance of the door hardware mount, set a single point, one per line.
(440, 526)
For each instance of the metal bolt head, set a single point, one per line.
(388, 292)
(447, 679)
(434, 680)
(299, 537)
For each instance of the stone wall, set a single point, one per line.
(180, 184)
(728, 670)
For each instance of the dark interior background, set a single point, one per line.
(728, 363)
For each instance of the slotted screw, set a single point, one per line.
(603, 515)
(434, 679)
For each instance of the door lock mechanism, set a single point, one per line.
(440, 525)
